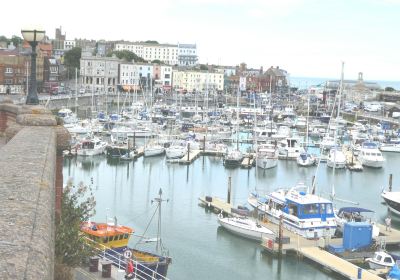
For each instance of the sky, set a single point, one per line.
(308, 38)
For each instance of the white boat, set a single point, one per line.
(389, 147)
(290, 148)
(381, 259)
(336, 159)
(355, 214)
(266, 156)
(176, 150)
(67, 116)
(392, 200)
(245, 227)
(153, 150)
(91, 147)
(306, 159)
(306, 214)
(370, 155)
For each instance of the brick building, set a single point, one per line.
(13, 71)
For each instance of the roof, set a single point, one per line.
(103, 229)
(354, 210)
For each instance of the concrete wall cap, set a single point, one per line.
(36, 120)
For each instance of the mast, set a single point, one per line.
(335, 134)
(237, 119)
(159, 200)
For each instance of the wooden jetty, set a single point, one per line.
(190, 156)
(218, 205)
(352, 163)
(139, 152)
(336, 264)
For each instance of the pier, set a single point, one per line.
(218, 205)
(352, 163)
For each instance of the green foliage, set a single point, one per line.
(203, 67)
(157, 61)
(389, 89)
(78, 205)
(151, 42)
(14, 39)
(72, 60)
(127, 55)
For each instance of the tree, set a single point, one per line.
(16, 40)
(126, 55)
(151, 42)
(389, 89)
(77, 205)
(72, 60)
(203, 67)
(157, 61)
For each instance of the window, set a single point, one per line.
(9, 70)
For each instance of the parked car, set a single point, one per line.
(82, 91)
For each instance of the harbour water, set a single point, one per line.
(200, 249)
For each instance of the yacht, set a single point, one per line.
(370, 155)
(153, 150)
(290, 148)
(245, 227)
(67, 116)
(392, 200)
(336, 158)
(176, 150)
(306, 214)
(267, 156)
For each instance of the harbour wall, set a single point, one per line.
(30, 190)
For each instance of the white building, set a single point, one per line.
(187, 55)
(197, 81)
(164, 52)
(69, 44)
(141, 76)
(99, 74)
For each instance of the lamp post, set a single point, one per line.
(33, 37)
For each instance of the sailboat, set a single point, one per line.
(234, 157)
(305, 158)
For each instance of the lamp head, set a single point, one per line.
(33, 34)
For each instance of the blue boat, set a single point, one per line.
(306, 214)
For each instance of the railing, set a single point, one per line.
(141, 272)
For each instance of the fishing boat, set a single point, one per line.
(381, 259)
(306, 214)
(245, 227)
(111, 239)
(290, 148)
(370, 155)
(233, 158)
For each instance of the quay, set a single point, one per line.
(352, 163)
(218, 205)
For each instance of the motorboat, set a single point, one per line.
(245, 227)
(390, 147)
(370, 155)
(381, 259)
(91, 147)
(304, 213)
(290, 148)
(392, 200)
(336, 159)
(355, 214)
(267, 156)
(67, 116)
(306, 159)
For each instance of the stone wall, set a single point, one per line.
(27, 178)
(30, 188)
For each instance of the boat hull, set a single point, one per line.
(245, 232)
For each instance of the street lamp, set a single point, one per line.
(33, 37)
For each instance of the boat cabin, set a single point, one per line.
(107, 234)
